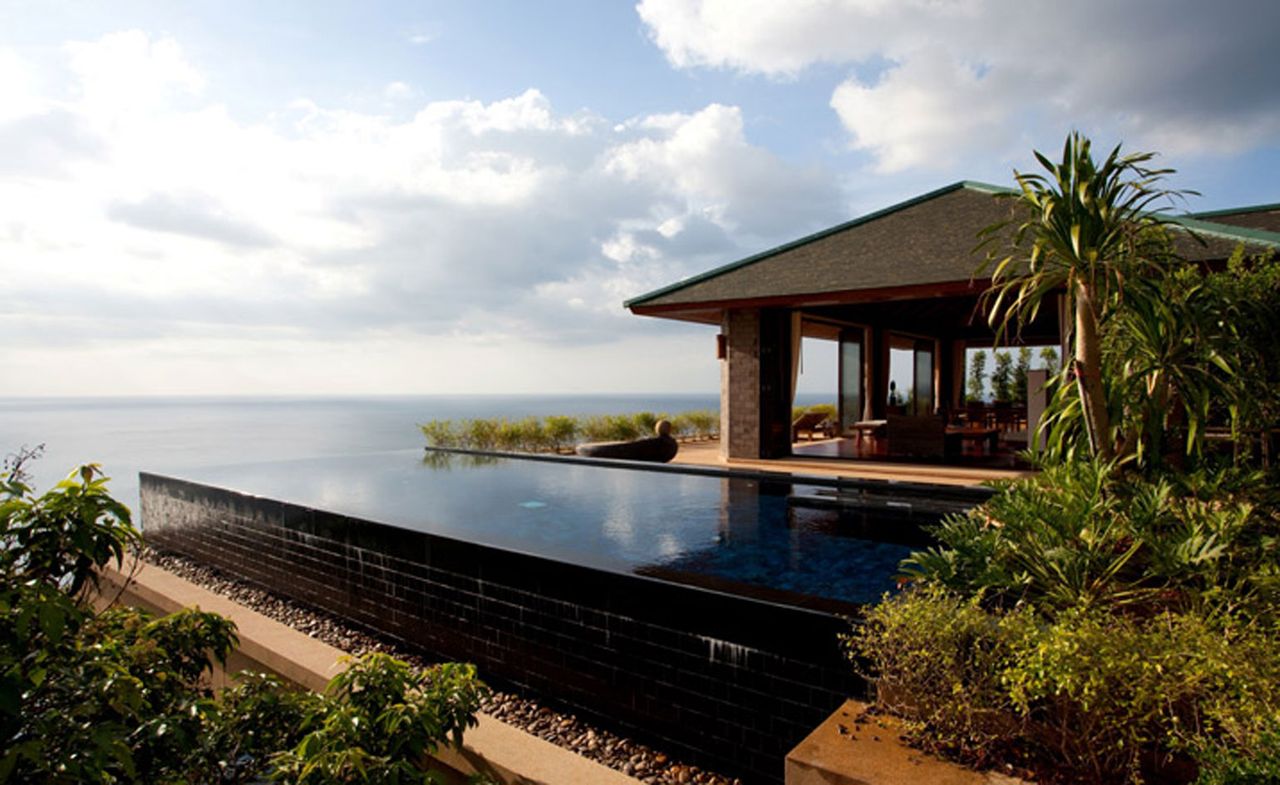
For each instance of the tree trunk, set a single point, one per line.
(1088, 364)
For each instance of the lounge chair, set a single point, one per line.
(660, 448)
(810, 423)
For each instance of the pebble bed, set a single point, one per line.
(641, 761)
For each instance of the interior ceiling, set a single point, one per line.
(937, 317)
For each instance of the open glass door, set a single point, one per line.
(850, 378)
(922, 385)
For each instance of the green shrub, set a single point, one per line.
(1259, 765)
(441, 433)
(937, 660)
(480, 433)
(645, 422)
(828, 409)
(624, 428)
(561, 431)
(378, 720)
(526, 434)
(1100, 696)
(705, 423)
(596, 428)
(121, 696)
(1085, 534)
(558, 432)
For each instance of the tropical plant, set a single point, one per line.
(1082, 534)
(1247, 321)
(1002, 376)
(88, 697)
(120, 696)
(1020, 373)
(977, 389)
(1050, 359)
(377, 722)
(1091, 232)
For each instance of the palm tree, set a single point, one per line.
(1088, 231)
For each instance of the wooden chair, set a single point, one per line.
(916, 437)
(975, 413)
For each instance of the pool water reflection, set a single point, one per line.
(791, 541)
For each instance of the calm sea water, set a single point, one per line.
(168, 435)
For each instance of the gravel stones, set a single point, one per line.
(564, 730)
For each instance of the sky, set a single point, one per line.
(331, 198)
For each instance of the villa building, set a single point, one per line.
(897, 288)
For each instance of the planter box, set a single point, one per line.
(854, 748)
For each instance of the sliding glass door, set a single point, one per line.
(922, 392)
(911, 388)
(851, 361)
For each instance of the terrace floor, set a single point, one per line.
(812, 458)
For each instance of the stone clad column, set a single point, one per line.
(740, 384)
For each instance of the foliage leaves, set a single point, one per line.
(121, 697)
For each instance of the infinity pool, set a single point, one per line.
(786, 541)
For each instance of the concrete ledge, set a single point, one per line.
(852, 749)
(503, 752)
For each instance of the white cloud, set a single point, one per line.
(397, 90)
(158, 231)
(936, 81)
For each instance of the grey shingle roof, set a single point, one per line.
(1262, 216)
(931, 239)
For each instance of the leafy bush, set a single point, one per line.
(381, 716)
(557, 433)
(1084, 534)
(120, 696)
(441, 433)
(645, 422)
(561, 431)
(526, 434)
(704, 422)
(480, 433)
(1259, 765)
(1106, 625)
(1097, 696)
(937, 659)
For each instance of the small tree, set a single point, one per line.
(1020, 373)
(1002, 376)
(978, 376)
(1052, 363)
(1088, 230)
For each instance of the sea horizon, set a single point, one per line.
(167, 434)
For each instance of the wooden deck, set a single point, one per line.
(708, 454)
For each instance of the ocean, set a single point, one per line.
(168, 435)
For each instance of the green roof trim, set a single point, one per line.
(1255, 208)
(946, 189)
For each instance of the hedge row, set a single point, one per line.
(559, 433)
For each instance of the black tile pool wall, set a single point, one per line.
(730, 682)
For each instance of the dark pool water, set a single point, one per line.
(781, 540)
